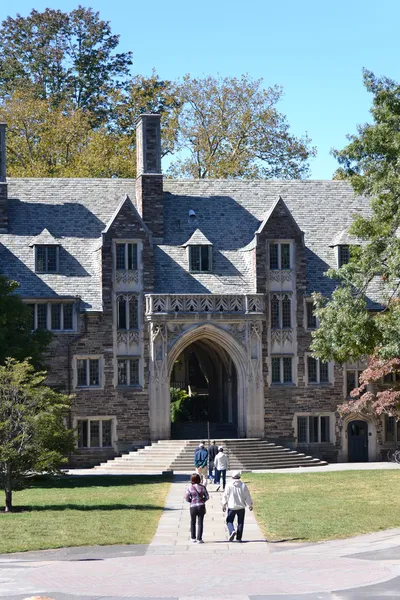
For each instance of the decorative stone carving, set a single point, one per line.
(276, 335)
(174, 330)
(287, 335)
(203, 303)
(127, 337)
(281, 276)
(238, 331)
(127, 276)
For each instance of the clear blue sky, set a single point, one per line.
(315, 49)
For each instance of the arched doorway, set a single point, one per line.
(169, 340)
(357, 439)
(203, 386)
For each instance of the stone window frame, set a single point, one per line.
(209, 258)
(357, 368)
(387, 420)
(128, 296)
(330, 381)
(46, 247)
(35, 303)
(126, 243)
(281, 297)
(343, 254)
(87, 357)
(281, 369)
(308, 302)
(279, 243)
(100, 419)
(139, 360)
(319, 415)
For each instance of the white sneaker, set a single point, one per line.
(193, 540)
(200, 542)
(232, 536)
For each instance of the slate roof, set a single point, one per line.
(228, 213)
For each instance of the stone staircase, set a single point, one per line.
(177, 455)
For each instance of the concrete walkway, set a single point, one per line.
(171, 568)
(173, 532)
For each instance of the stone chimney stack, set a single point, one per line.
(3, 182)
(149, 179)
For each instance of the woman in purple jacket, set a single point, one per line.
(197, 495)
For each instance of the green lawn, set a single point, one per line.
(322, 506)
(80, 511)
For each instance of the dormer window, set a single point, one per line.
(46, 259)
(279, 256)
(126, 256)
(343, 255)
(199, 253)
(200, 259)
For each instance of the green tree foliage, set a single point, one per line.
(63, 57)
(33, 437)
(230, 128)
(17, 340)
(348, 330)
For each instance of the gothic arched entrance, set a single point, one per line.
(170, 340)
(203, 388)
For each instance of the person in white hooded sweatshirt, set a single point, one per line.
(235, 498)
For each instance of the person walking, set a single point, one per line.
(212, 453)
(221, 465)
(235, 498)
(200, 462)
(197, 495)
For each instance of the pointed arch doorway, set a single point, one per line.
(203, 389)
(209, 340)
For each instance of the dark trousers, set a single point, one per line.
(197, 512)
(240, 521)
(218, 475)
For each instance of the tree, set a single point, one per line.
(17, 340)
(47, 141)
(349, 329)
(230, 128)
(33, 437)
(63, 57)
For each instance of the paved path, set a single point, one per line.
(171, 568)
(173, 533)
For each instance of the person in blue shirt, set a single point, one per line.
(200, 462)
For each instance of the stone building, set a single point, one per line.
(204, 285)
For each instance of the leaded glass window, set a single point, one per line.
(46, 259)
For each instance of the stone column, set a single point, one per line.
(160, 418)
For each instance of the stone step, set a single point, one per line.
(244, 454)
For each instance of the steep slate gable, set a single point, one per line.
(125, 224)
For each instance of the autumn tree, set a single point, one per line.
(33, 436)
(63, 57)
(44, 140)
(230, 127)
(349, 329)
(17, 340)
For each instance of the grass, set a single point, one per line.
(83, 511)
(325, 506)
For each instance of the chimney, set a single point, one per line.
(149, 179)
(3, 183)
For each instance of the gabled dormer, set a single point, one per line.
(47, 252)
(199, 250)
(341, 244)
(276, 241)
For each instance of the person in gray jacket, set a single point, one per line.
(235, 498)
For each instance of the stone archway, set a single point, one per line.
(246, 359)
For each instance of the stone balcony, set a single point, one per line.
(204, 304)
